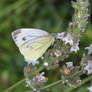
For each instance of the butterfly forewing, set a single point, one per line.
(20, 36)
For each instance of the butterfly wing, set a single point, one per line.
(21, 36)
(32, 43)
(38, 48)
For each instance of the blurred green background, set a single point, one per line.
(49, 15)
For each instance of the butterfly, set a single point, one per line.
(32, 43)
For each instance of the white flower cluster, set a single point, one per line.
(68, 39)
(37, 80)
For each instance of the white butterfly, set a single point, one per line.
(32, 43)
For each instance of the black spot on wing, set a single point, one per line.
(24, 38)
(15, 33)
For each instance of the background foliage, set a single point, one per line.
(49, 15)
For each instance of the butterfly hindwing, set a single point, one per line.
(37, 49)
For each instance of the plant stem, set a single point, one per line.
(13, 86)
(70, 89)
(21, 81)
(51, 85)
(83, 82)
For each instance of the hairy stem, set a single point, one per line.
(51, 85)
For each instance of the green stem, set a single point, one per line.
(21, 81)
(51, 85)
(13, 86)
(70, 89)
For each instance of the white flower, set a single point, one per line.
(89, 67)
(75, 47)
(68, 39)
(60, 35)
(57, 53)
(89, 49)
(41, 78)
(90, 89)
(32, 62)
(28, 82)
(42, 57)
(69, 64)
(45, 64)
